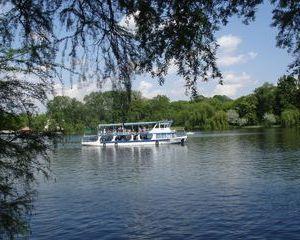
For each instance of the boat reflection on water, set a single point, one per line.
(135, 154)
(124, 165)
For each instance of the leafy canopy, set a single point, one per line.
(90, 38)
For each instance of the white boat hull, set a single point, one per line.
(176, 140)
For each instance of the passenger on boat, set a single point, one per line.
(135, 137)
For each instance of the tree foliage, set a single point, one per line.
(286, 19)
(22, 154)
(265, 96)
(200, 113)
(95, 41)
(288, 92)
(290, 117)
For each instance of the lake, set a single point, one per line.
(226, 185)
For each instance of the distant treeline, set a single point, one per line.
(268, 105)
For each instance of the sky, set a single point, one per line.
(247, 57)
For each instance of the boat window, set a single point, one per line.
(123, 138)
(160, 135)
(106, 138)
(146, 136)
(164, 135)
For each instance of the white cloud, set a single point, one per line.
(128, 22)
(178, 94)
(148, 90)
(233, 83)
(229, 43)
(227, 55)
(252, 55)
(229, 60)
(79, 90)
(172, 67)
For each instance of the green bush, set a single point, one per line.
(217, 122)
(269, 119)
(290, 117)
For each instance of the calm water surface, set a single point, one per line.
(236, 184)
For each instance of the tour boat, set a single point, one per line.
(134, 134)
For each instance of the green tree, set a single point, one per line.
(158, 108)
(96, 108)
(39, 122)
(197, 98)
(22, 154)
(68, 114)
(290, 117)
(288, 92)
(179, 111)
(199, 114)
(222, 98)
(217, 122)
(265, 95)
(138, 109)
(247, 108)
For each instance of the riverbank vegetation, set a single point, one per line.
(267, 106)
